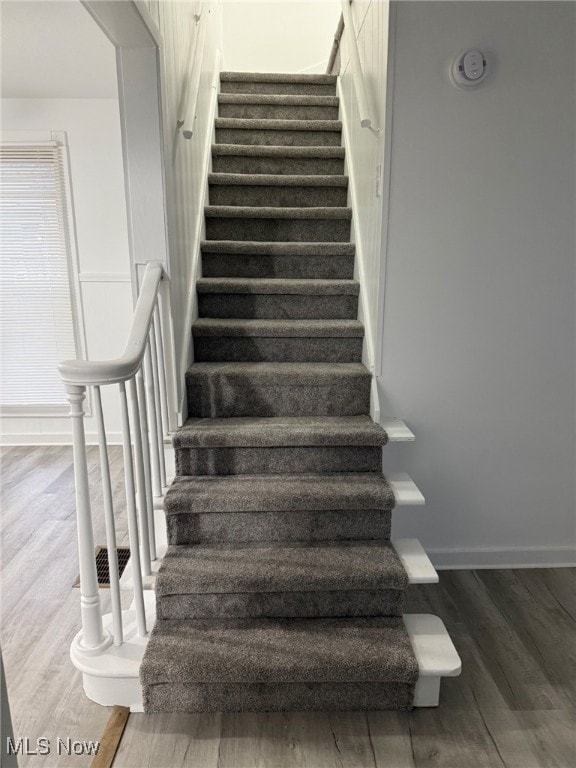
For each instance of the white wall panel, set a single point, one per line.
(185, 160)
(365, 154)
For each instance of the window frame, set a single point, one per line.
(58, 139)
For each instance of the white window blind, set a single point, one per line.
(37, 324)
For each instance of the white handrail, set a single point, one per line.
(139, 373)
(93, 373)
(366, 120)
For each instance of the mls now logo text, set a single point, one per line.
(45, 746)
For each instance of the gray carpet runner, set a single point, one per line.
(280, 589)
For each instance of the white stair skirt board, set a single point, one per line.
(113, 677)
(415, 561)
(435, 654)
(405, 489)
(397, 431)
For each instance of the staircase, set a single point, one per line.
(280, 588)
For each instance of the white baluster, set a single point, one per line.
(161, 370)
(158, 406)
(132, 515)
(109, 521)
(140, 480)
(152, 421)
(147, 468)
(94, 639)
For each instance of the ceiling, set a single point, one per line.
(53, 49)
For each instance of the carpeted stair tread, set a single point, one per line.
(224, 389)
(257, 212)
(278, 157)
(285, 493)
(298, 266)
(218, 339)
(278, 286)
(280, 650)
(281, 83)
(260, 432)
(276, 180)
(286, 106)
(261, 150)
(273, 567)
(276, 77)
(284, 374)
(246, 247)
(291, 260)
(277, 328)
(263, 124)
(277, 298)
(278, 99)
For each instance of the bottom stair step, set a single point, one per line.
(274, 665)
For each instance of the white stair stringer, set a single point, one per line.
(406, 492)
(434, 650)
(435, 653)
(416, 562)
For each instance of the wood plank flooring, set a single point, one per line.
(513, 706)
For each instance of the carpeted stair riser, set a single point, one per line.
(278, 260)
(263, 306)
(275, 461)
(216, 349)
(277, 88)
(277, 697)
(286, 446)
(283, 605)
(279, 526)
(278, 138)
(219, 390)
(277, 340)
(278, 230)
(266, 164)
(297, 267)
(277, 111)
(281, 196)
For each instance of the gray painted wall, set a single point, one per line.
(479, 315)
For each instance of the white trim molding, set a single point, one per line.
(104, 277)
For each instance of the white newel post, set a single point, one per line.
(93, 640)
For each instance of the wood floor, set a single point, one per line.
(513, 706)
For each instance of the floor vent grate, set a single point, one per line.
(102, 570)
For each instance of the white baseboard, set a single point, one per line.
(502, 557)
